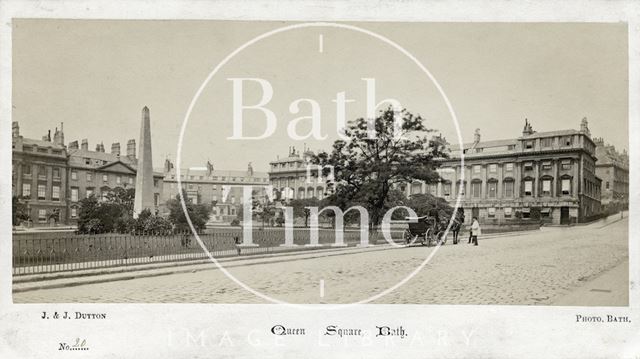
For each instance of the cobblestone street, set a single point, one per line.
(527, 269)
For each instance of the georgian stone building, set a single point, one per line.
(294, 177)
(551, 173)
(51, 178)
(222, 188)
(39, 176)
(613, 168)
(99, 172)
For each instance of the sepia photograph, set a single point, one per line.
(320, 163)
(319, 179)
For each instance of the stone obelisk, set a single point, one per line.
(144, 175)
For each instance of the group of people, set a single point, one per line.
(474, 232)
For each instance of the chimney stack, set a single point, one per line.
(115, 148)
(476, 136)
(58, 136)
(131, 149)
(73, 145)
(100, 147)
(15, 129)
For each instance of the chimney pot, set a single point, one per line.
(15, 129)
(131, 149)
(115, 148)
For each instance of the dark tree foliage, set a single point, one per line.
(122, 197)
(367, 169)
(425, 204)
(115, 214)
(18, 211)
(198, 214)
(300, 209)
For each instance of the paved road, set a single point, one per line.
(536, 268)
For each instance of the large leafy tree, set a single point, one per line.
(367, 168)
(198, 213)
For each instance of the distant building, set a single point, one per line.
(613, 168)
(39, 176)
(223, 189)
(295, 177)
(551, 173)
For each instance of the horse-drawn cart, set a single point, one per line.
(424, 230)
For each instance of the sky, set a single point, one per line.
(96, 76)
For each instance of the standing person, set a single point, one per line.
(475, 231)
(455, 229)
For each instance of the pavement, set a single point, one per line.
(553, 266)
(26, 282)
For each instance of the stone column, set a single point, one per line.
(483, 187)
(536, 174)
(557, 185)
(144, 174)
(518, 183)
(500, 175)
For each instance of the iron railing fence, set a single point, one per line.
(35, 253)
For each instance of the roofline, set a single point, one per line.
(517, 154)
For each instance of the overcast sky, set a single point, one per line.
(95, 76)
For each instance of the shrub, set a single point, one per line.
(157, 225)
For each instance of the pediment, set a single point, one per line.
(118, 167)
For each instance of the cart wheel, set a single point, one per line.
(426, 240)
